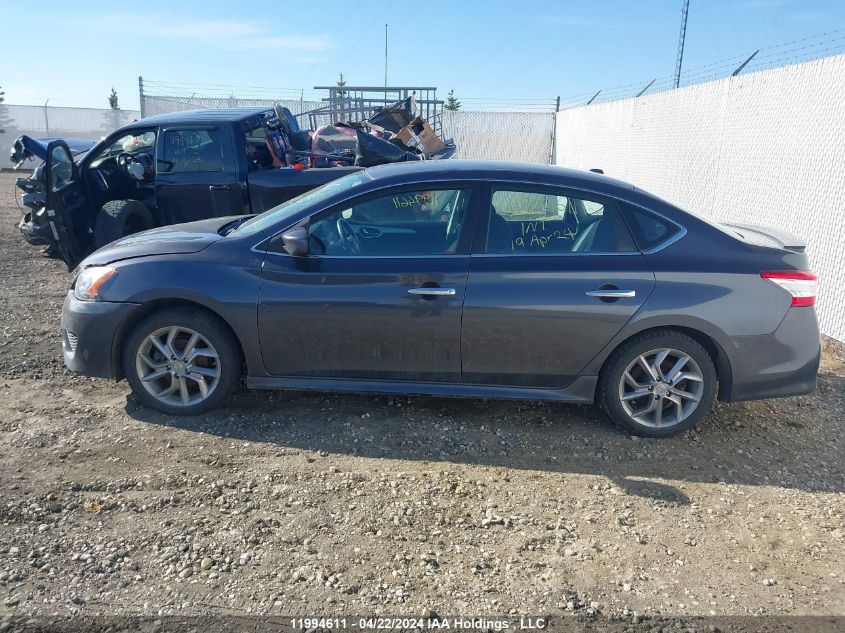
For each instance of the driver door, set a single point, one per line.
(64, 201)
(379, 295)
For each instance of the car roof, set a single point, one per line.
(457, 169)
(201, 116)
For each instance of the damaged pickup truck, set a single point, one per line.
(186, 166)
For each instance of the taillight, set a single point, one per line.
(801, 284)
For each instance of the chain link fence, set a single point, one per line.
(509, 135)
(55, 121)
(500, 135)
(163, 104)
(763, 148)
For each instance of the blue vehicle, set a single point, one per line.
(460, 278)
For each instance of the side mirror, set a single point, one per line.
(296, 242)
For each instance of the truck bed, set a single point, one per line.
(271, 187)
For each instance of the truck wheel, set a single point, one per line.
(120, 218)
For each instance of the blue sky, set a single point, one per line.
(493, 50)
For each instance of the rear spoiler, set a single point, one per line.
(781, 238)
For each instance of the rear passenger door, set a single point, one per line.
(196, 175)
(554, 275)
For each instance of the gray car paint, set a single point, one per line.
(708, 283)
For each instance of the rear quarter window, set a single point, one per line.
(649, 230)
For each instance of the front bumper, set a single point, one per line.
(35, 233)
(783, 363)
(88, 335)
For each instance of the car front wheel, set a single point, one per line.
(659, 384)
(182, 361)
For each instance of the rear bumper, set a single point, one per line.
(783, 363)
(88, 334)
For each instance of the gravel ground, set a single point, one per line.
(303, 503)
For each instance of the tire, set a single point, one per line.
(216, 351)
(120, 218)
(696, 377)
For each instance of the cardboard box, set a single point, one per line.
(418, 133)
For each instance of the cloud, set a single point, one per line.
(231, 35)
(241, 36)
(761, 4)
(567, 20)
(583, 22)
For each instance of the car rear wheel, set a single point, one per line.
(182, 361)
(120, 218)
(659, 384)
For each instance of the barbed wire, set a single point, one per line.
(815, 47)
(794, 51)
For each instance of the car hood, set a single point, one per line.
(27, 147)
(176, 239)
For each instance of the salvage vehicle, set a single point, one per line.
(181, 167)
(466, 278)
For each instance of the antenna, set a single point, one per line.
(684, 12)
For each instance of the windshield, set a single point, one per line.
(289, 209)
(133, 143)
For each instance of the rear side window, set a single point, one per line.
(649, 230)
(554, 223)
(191, 151)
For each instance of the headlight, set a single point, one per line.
(90, 280)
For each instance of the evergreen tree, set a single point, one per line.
(113, 119)
(6, 120)
(341, 82)
(451, 102)
(8, 133)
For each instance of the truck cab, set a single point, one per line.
(161, 170)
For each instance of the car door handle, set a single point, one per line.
(219, 187)
(433, 292)
(612, 294)
(368, 231)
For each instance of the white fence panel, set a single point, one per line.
(765, 148)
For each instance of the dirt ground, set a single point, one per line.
(309, 504)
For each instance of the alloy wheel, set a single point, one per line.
(178, 366)
(661, 388)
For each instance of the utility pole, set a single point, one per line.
(679, 62)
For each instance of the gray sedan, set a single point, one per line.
(464, 278)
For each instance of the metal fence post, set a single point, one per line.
(141, 94)
(553, 153)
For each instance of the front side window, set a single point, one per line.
(527, 222)
(134, 142)
(414, 222)
(191, 151)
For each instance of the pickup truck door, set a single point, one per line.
(196, 174)
(64, 199)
